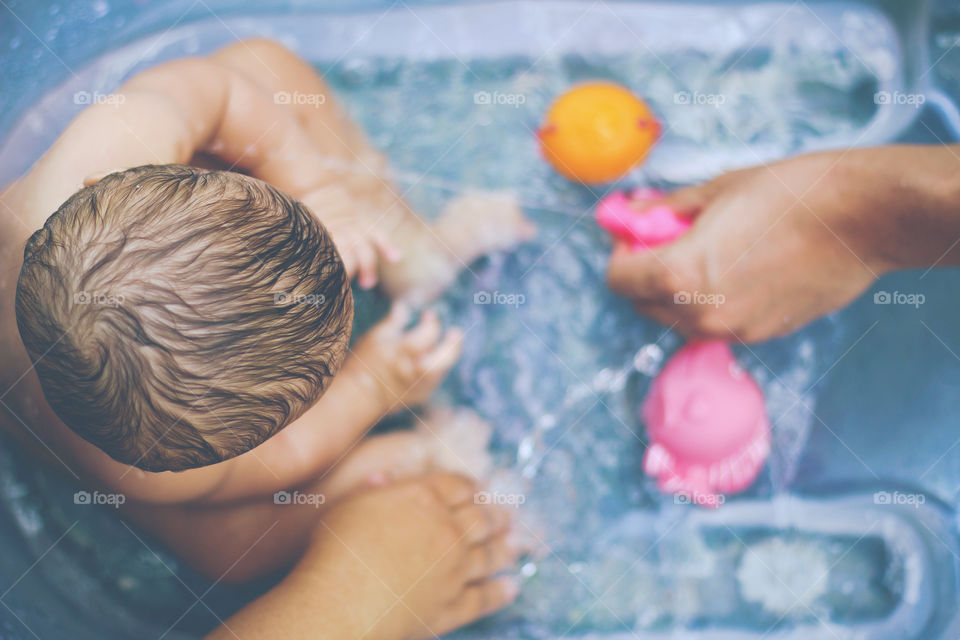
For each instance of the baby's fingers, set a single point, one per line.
(425, 335)
(395, 322)
(445, 355)
(366, 264)
(385, 247)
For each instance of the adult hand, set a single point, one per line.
(774, 247)
(412, 560)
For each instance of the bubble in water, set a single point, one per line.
(604, 380)
(528, 570)
(525, 450)
(648, 359)
(547, 421)
(100, 8)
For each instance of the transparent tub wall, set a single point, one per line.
(557, 374)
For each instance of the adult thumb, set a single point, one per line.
(641, 275)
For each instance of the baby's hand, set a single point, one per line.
(406, 366)
(360, 244)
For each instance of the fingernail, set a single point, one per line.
(511, 588)
(377, 479)
(518, 545)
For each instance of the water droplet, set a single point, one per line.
(525, 449)
(648, 359)
(528, 570)
(100, 8)
(576, 394)
(603, 379)
(547, 421)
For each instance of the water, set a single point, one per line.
(562, 374)
(565, 396)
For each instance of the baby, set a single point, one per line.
(185, 330)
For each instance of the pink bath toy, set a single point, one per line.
(657, 225)
(707, 422)
(708, 426)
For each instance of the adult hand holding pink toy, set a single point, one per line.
(783, 244)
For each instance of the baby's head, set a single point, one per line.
(179, 317)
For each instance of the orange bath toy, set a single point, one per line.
(597, 132)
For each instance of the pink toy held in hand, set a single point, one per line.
(657, 225)
(709, 432)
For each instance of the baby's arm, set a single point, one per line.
(171, 112)
(432, 254)
(165, 115)
(389, 369)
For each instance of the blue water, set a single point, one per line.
(862, 401)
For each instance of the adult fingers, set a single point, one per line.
(640, 275)
(489, 558)
(453, 489)
(692, 320)
(478, 601)
(479, 522)
(686, 202)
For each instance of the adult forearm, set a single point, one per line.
(906, 202)
(300, 607)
